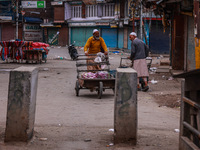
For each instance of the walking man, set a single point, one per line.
(139, 52)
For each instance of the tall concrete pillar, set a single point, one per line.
(21, 104)
(125, 111)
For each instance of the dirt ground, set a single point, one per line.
(66, 122)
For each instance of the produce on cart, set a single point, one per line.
(97, 79)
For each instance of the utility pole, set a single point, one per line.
(17, 18)
(141, 37)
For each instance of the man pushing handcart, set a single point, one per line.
(97, 76)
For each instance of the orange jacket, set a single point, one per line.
(95, 45)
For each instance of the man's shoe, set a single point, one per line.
(139, 89)
(146, 88)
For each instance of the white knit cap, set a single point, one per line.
(133, 33)
(95, 30)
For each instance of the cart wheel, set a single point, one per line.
(100, 90)
(77, 88)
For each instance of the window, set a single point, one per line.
(108, 10)
(91, 11)
(76, 11)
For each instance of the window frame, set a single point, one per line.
(76, 11)
(108, 10)
(91, 11)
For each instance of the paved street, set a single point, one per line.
(66, 122)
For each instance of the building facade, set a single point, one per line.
(63, 22)
(113, 19)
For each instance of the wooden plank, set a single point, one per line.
(198, 120)
(190, 102)
(192, 129)
(92, 64)
(186, 144)
(182, 111)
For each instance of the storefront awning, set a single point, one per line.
(46, 25)
(32, 20)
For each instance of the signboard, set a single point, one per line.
(34, 4)
(57, 3)
(113, 25)
(32, 27)
(76, 3)
(81, 24)
(102, 23)
(33, 36)
(100, 1)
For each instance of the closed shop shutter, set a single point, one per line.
(53, 36)
(121, 38)
(110, 37)
(129, 41)
(8, 32)
(81, 35)
(159, 40)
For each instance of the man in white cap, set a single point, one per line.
(139, 52)
(94, 45)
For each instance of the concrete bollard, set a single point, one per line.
(21, 104)
(125, 111)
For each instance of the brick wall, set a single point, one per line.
(8, 32)
(63, 39)
(59, 12)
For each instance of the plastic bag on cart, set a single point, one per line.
(100, 57)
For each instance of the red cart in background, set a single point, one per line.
(24, 50)
(37, 52)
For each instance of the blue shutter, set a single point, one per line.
(110, 37)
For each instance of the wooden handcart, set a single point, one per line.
(37, 56)
(94, 84)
